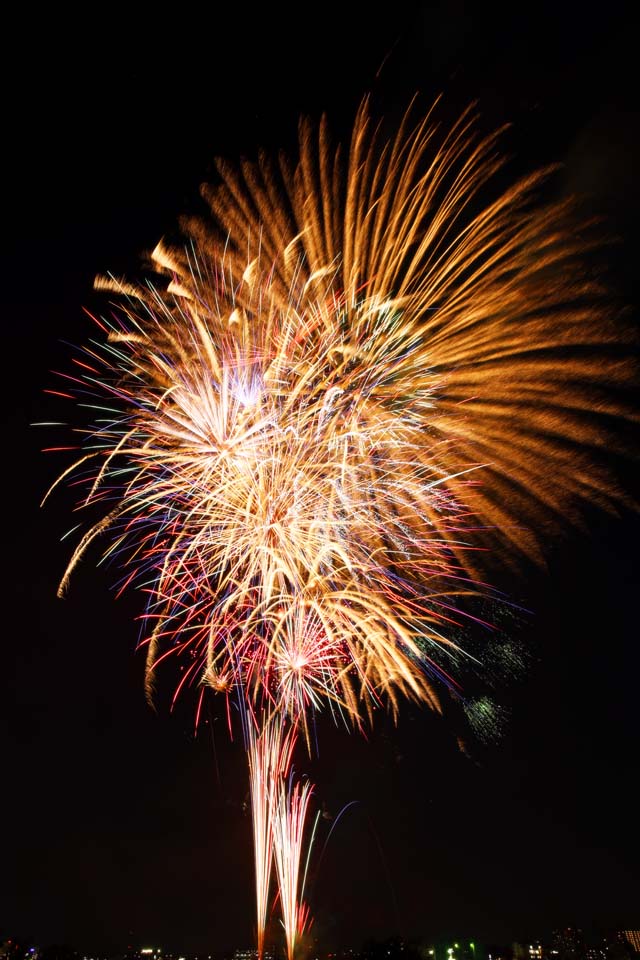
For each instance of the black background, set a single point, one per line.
(120, 826)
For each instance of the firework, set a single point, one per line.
(359, 378)
(290, 803)
(269, 751)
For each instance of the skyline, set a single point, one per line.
(564, 941)
(108, 790)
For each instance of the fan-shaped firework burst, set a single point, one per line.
(358, 375)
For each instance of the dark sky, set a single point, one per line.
(119, 826)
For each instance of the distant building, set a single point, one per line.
(145, 953)
(633, 939)
(568, 944)
(251, 955)
(597, 952)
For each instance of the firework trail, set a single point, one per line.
(290, 802)
(269, 751)
(356, 380)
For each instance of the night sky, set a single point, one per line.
(122, 827)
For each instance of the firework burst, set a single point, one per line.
(355, 378)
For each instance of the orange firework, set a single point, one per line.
(358, 377)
